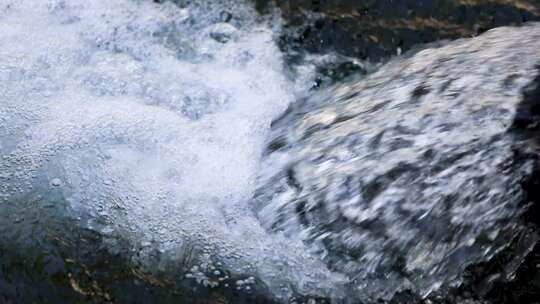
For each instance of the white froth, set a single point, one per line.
(150, 119)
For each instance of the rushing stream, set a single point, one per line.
(147, 123)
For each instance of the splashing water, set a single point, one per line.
(407, 177)
(146, 124)
(147, 121)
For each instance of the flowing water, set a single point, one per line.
(146, 122)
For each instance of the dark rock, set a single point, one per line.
(375, 29)
(54, 260)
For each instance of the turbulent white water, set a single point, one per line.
(148, 120)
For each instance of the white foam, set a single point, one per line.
(150, 120)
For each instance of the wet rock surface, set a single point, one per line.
(417, 181)
(374, 30)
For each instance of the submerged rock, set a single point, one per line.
(406, 179)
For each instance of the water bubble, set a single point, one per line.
(223, 32)
(56, 182)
